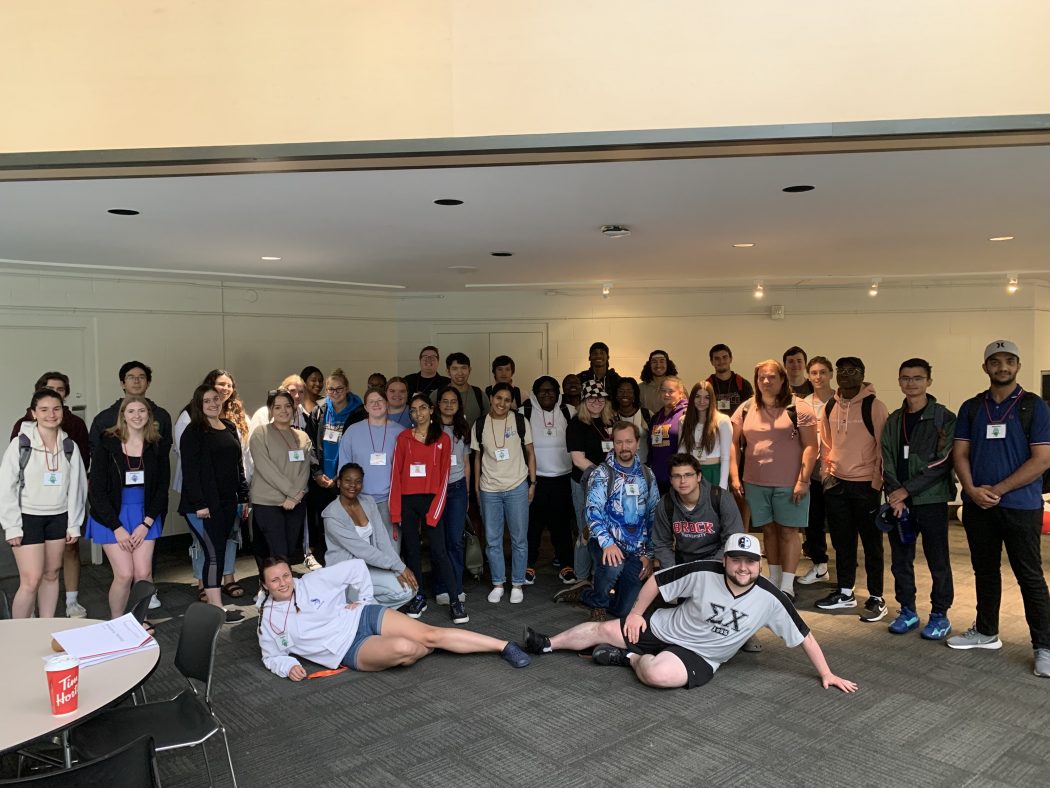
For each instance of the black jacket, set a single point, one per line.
(106, 480)
(212, 469)
(107, 418)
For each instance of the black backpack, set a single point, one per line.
(647, 474)
(792, 413)
(25, 451)
(716, 502)
(526, 410)
(519, 423)
(1025, 413)
(865, 412)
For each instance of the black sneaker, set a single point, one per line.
(571, 595)
(836, 600)
(607, 654)
(415, 607)
(535, 642)
(458, 613)
(234, 616)
(874, 610)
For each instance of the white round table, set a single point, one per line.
(26, 707)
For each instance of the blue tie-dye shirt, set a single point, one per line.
(622, 519)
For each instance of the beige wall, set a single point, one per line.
(171, 73)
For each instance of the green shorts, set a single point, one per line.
(774, 505)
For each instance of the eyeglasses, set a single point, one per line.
(849, 371)
(336, 389)
(136, 378)
(912, 379)
(679, 477)
(428, 358)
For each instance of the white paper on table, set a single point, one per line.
(108, 640)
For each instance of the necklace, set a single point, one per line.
(287, 610)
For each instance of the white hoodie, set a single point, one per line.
(70, 496)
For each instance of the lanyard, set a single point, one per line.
(492, 426)
(386, 423)
(287, 610)
(1017, 399)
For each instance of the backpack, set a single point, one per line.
(526, 410)
(865, 412)
(585, 480)
(716, 502)
(25, 451)
(792, 413)
(519, 423)
(1025, 413)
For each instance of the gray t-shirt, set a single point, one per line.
(714, 623)
(695, 534)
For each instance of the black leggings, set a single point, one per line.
(413, 517)
(211, 534)
(317, 499)
(279, 531)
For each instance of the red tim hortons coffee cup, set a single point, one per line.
(63, 678)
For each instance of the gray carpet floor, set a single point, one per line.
(924, 714)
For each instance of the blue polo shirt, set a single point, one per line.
(993, 459)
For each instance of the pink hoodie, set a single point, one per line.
(849, 451)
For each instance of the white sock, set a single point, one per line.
(846, 591)
(787, 582)
(71, 597)
(775, 571)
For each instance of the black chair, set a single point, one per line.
(187, 720)
(138, 600)
(132, 766)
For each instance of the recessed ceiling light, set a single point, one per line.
(123, 212)
(1001, 238)
(502, 254)
(616, 231)
(799, 188)
(463, 269)
(448, 201)
(742, 246)
(271, 258)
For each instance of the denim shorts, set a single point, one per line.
(369, 625)
(774, 505)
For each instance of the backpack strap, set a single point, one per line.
(866, 406)
(479, 428)
(25, 451)
(647, 417)
(565, 412)
(519, 423)
(1026, 412)
(526, 409)
(477, 396)
(738, 381)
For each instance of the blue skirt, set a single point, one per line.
(132, 510)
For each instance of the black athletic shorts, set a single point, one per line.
(40, 528)
(696, 667)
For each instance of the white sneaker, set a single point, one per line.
(154, 602)
(816, 574)
(516, 595)
(312, 564)
(496, 594)
(75, 610)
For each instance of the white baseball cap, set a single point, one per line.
(743, 546)
(1001, 346)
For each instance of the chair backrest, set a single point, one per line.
(138, 600)
(132, 766)
(5, 608)
(195, 655)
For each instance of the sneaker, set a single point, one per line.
(906, 621)
(1042, 663)
(496, 594)
(599, 614)
(312, 564)
(818, 573)
(517, 596)
(556, 563)
(535, 642)
(458, 613)
(75, 610)
(567, 576)
(441, 599)
(971, 638)
(154, 602)
(515, 656)
(571, 595)
(874, 610)
(233, 616)
(530, 576)
(415, 607)
(937, 628)
(836, 600)
(752, 646)
(608, 654)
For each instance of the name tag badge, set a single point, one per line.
(332, 435)
(134, 477)
(502, 454)
(658, 436)
(630, 489)
(52, 478)
(455, 460)
(417, 469)
(995, 431)
(723, 404)
(906, 452)
(607, 445)
(295, 455)
(377, 458)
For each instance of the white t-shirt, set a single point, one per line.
(500, 439)
(720, 451)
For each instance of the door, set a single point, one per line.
(525, 347)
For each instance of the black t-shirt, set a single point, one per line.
(909, 424)
(588, 439)
(417, 384)
(728, 391)
(804, 389)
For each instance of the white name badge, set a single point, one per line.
(723, 404)
(134, 477)
(332, 435)
(455, 460)
(630, 489)
(417, 469)
(995, 431)
(377, 458)
(607, 445)
(52, 478)
(502, 454)
(658, 437)
(906, 452)
(295, 455)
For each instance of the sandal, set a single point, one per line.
(234, 589)
(202, 595)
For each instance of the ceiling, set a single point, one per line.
(916, 214)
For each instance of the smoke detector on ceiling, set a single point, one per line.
(616, 231)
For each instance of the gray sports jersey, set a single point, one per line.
(714, 623)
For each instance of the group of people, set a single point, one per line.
(640, 484)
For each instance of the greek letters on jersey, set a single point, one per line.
(725, 621)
